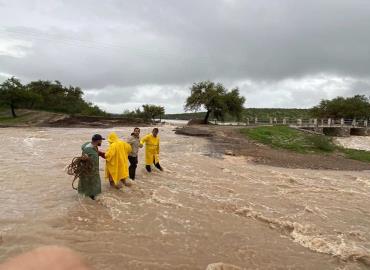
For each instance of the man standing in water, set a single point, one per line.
(151, 142)
(134, 141)
(90, 185)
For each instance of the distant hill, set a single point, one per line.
(251, 113)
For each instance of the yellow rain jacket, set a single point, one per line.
(116, 167)
(151, 149)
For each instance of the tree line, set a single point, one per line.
(215, 99)
(47, 96)
(356, 107)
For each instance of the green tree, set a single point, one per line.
(357, 106)
(12, 94)
(216, 99)
(153, 111)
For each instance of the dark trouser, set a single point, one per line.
(132, 168)
(157, 165)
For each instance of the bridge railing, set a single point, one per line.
(300, 122)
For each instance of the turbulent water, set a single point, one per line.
(204, 209)
(355, 142)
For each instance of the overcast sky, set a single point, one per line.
(280, 53)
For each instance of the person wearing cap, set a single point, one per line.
(134, 141)
(116, 166)
(91, 185)
(151, 142)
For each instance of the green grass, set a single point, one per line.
(251, 113)
(282, 137)
(290, 139)
(11, 120)
(360, 155)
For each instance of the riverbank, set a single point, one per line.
(30, 118)
(232, 141)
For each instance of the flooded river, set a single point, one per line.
(354, 142)
(205, 208)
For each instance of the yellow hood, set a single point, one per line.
(113, 137)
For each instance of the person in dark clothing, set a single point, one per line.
(90, 185)
(134, 141)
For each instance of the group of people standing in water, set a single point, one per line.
(121, 159)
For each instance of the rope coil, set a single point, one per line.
(80, 167)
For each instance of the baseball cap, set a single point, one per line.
(97, 137)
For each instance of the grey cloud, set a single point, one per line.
(115, 46)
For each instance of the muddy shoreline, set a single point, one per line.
(228, 140)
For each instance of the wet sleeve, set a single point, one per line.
(110, 152)
(144, 139)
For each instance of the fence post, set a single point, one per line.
(247, 121)
(315, 122)
(299, 122)
(256, 120)
(342, 122)
(365, 123)
(354, 122)
(270, 121)
(284, 121)
(329, 122)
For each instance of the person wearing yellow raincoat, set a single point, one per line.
(116, 156)
(151, 142)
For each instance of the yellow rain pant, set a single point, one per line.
(151, 149)
(116, 167)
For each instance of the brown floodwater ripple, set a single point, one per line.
(204, 211)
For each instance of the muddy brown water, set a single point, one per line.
(203, 209)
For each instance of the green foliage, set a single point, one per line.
(153, 111)
(150, 112)
(297, 141)
(12, 94)
(353, 107)
(322, 143)
(360, 155)
(47, 96)
(279, 113)
(251, 113)
(290, 139)
(215, 99)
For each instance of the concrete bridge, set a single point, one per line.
(330, 127)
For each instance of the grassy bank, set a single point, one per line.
(251, 113)
(294, 140)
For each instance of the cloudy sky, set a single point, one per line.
(280, 53)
